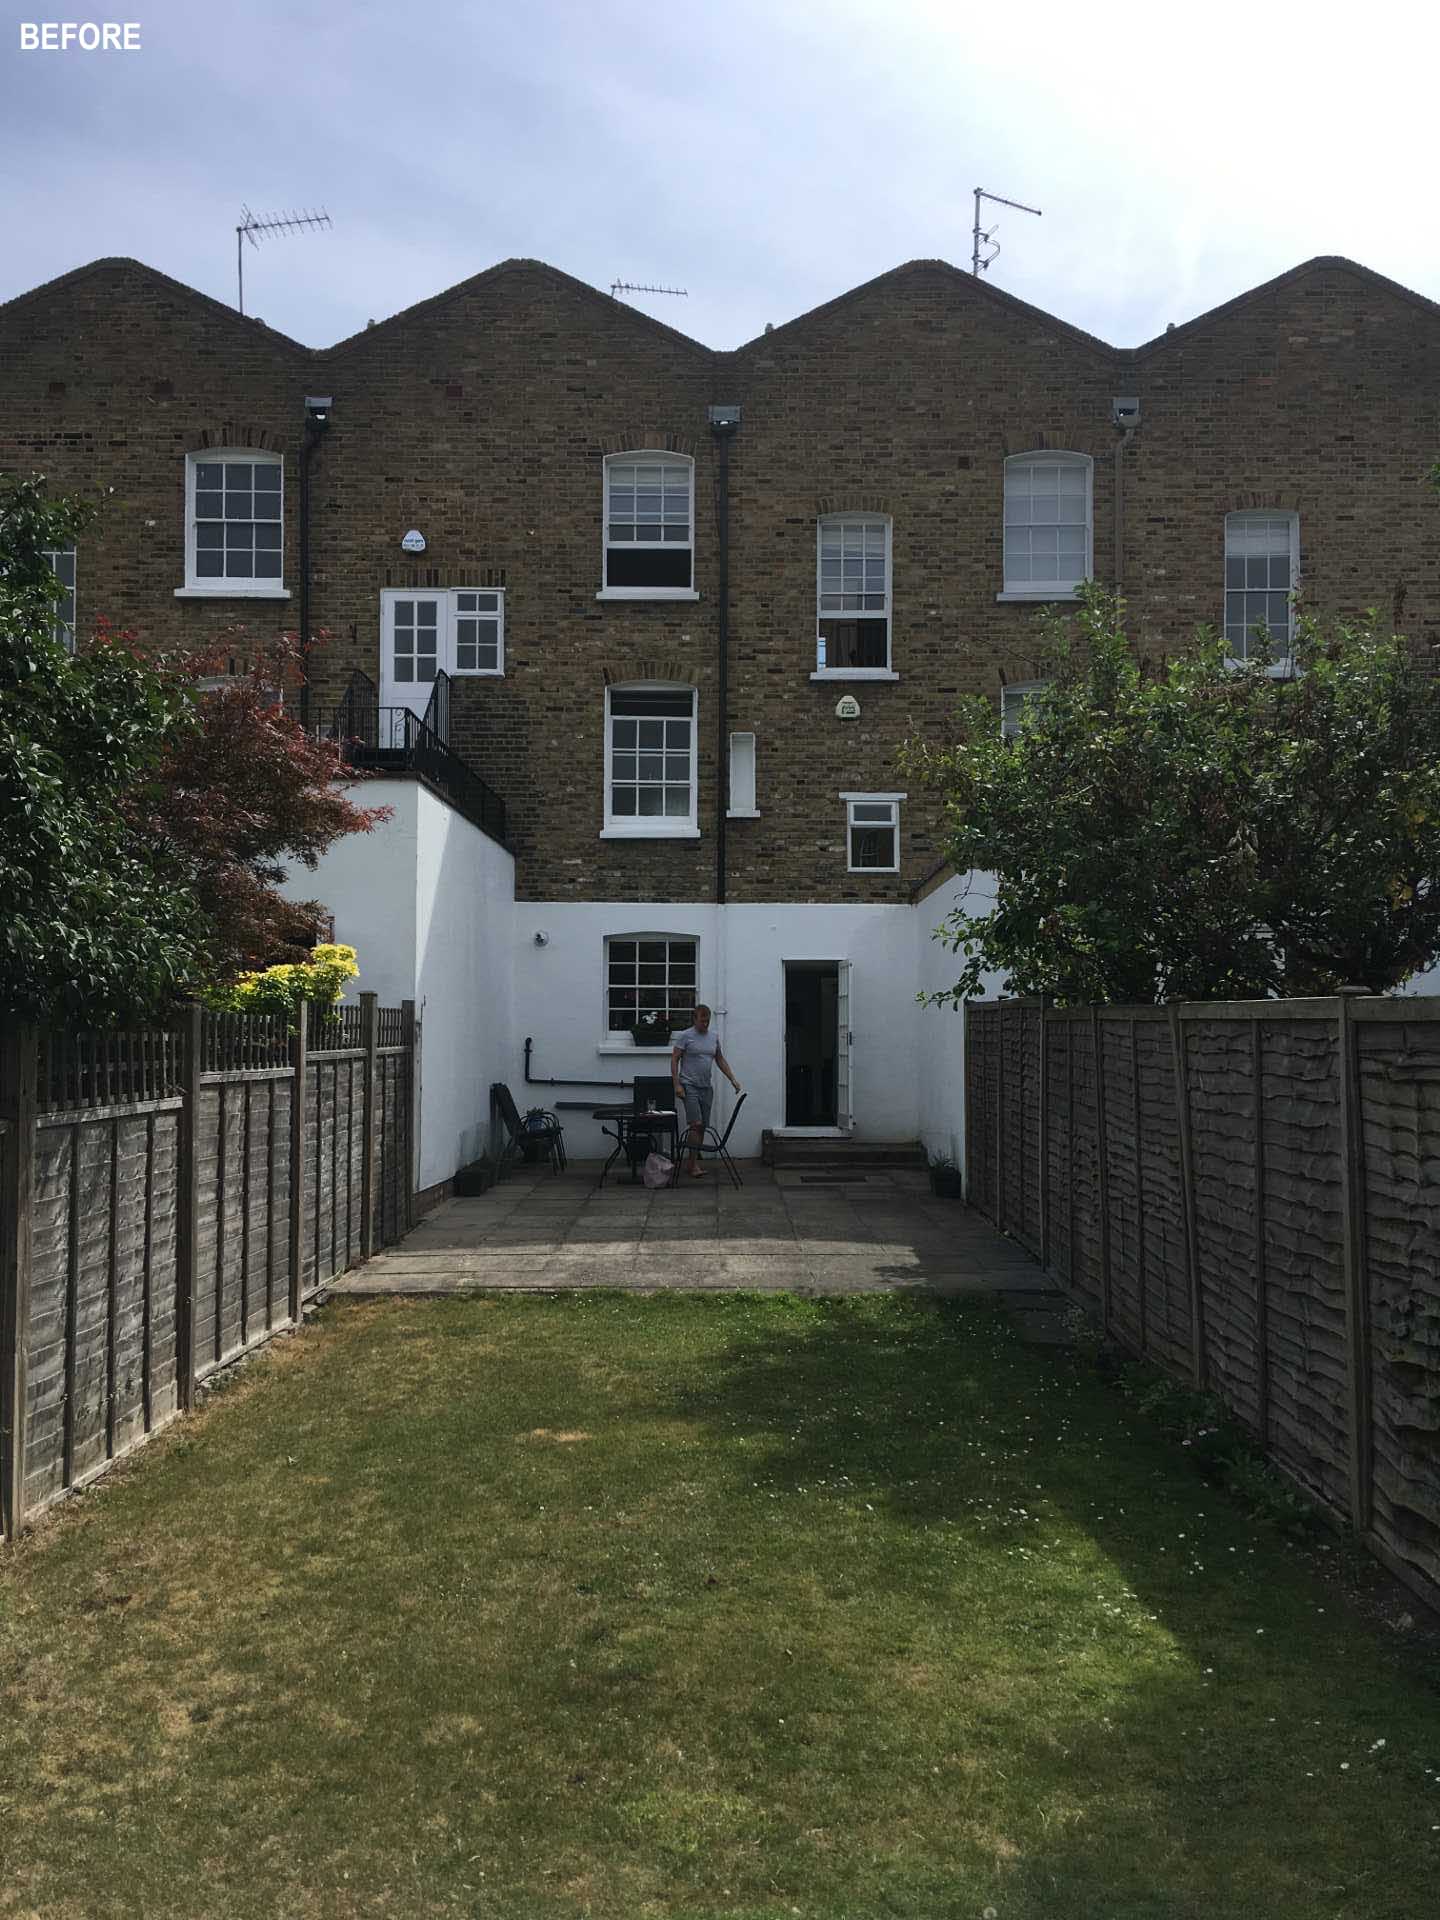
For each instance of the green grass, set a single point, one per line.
(597, 1606)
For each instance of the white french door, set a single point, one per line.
(413, 648)
(844, 1077)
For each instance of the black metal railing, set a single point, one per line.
(385, 739)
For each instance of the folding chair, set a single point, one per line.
(539, 1127)
(718, 1143)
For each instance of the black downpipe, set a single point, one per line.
(317, 419)
(722, 694)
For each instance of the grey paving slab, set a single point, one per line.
(542, 1233)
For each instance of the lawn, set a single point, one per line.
(734, 1606)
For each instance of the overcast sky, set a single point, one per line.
(765, 157)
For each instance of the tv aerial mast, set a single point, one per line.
(984, 237)
(617, 287)
(254, 230)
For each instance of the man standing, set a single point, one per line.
(690, 1062)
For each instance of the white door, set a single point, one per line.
(844, 1082)
(412, 649)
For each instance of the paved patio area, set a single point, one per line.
(783, 1231)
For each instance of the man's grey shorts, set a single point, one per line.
(698, 1101)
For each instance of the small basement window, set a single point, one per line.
(1012, 704)
(62, 565)
(650, 979)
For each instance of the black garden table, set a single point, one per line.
(628, 1128)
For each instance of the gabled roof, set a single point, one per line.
(255, 328)
(536, 269)
(966, 286)
(1322, 263)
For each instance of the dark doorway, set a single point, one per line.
(811, 1030)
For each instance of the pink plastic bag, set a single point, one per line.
(657, 1170)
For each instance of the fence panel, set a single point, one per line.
(92, 1324)
(1267, 1222)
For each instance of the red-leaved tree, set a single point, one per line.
(245, 793)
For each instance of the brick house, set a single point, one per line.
(700, 788)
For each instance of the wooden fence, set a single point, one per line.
(1247, 1194)
(169, 1199)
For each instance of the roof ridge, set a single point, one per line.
(109, 262)
(1238, 301)
(516, 264)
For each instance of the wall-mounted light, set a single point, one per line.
(542, 939)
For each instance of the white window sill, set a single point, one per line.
(642, 1053)
(854, 673)
(1054, 593)
(1283, 668)
(647, 593)
(229, 590)
(877, 872)
(742, 813)
(650, 833)
(476, 673)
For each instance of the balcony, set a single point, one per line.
(376, 739)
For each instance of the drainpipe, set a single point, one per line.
(1125, 412)
(317, 421)
(724, 424)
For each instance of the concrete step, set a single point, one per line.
(779, 1150)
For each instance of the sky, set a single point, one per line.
(763, 157)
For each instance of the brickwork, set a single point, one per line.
(483, 416)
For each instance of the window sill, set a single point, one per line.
(650, 833)
(854, 673)
(1058, 593)
(647, 593)
(1283, 668)
(879, 873)
(742, 813)
(609, 1047)
(227, 591)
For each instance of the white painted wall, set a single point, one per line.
(942, 1040)
(560, 1004)
(428, 902)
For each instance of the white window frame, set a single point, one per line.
(634, 458)
(610, 1044)
(1282, 662)
(742, 778)
(270, 588)
(1012, 703)
(447, 640)
(653, 826)
(823, 672)
(893, 800)
(1062, 587)
(62, 629)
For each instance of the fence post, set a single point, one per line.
(1357, 1266)
(1044, 1131)
(19, 1105)
(1262, 1314)
(1187, 1202)
(1000, 1116)
(369, 1031)
(187, 1208)
(1102, 1175)
(299, 1101)
(414, 1042)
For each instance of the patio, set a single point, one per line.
(783, 1231)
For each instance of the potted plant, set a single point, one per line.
(946, 1180)
(653, 1030)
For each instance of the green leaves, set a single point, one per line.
(1191, 829)
(95, 924)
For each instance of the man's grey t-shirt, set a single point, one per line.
(697, 1056)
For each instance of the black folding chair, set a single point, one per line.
(538, 1128)
(718, 1143)
(647, 1128)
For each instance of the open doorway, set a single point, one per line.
(817, 1044)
